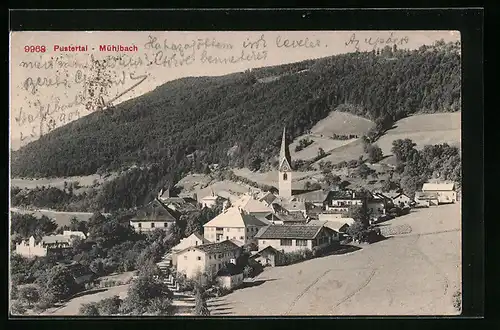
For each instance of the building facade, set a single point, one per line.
(445, 191)
(293, 238)
(233, 223)
(206, 258)
(154, 215)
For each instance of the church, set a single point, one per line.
(285, 169)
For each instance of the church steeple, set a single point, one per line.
(284, 152)
(285, 168)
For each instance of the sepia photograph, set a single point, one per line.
(235, 173)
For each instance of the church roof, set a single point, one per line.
(285, 152)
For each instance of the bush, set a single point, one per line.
(16, 308)
(221, 291)
(294, 257)
(29, 294)
(109, 306)
(457, 300)
(89, 309)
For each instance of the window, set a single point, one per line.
(139, 225)
(210, 257)
(241, 237)
(234, 237)
(248, 230)
(165, 224)
(219, 228)
(263, 242)
(152, 224)
(220, 256)
(228, 229)
(301, 242)
(285, 176)
(227, 237)
(286, 242)
(199, 258)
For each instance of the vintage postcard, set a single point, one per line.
(259, 173)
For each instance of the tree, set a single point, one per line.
(89, 309)
(402, 149)
(148, 295)
(60, 283)
(29, 294)
(361, 214)
(364, 171)
(201, 308)
(374, 154)
(109, 306)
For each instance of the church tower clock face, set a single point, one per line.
(285, 167)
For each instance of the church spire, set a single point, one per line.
(284, 152)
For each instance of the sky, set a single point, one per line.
(53, 82)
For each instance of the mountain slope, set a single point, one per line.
(191, 122)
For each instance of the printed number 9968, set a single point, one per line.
(34, 49)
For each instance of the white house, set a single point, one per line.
(212, 200)
(233, 223)
(399, 199)
(194, 239)
(152, 216)
(445, 191)
(48, 244)
(206, 258)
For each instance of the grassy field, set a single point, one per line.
(342, 123)
(414, 274)
(85, 182)
(425, 129)
(271, 177)
(61, 218)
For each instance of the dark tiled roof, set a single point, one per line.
(229, 269)
(154, 211)
(288, 231)
(219, 247)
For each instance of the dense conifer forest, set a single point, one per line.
(237, 120)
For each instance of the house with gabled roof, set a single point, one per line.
(445, 191)
(207, 258)
(292, 238)
(233, 223)
(152, 216)
(398, 199)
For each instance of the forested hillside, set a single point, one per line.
(189, 123)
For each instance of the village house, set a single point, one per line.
(230, 276)
(268, 256)
(177, 203)
(207, 258)
(341, 200)
(445, 191)
(316, 197)
(233, 223)
(194, 239)
(291, 238)
(152, 216)
(376, 206)
(398, 199)
(339, 226)
(212, 200)
(52, 244)
(426, 199)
